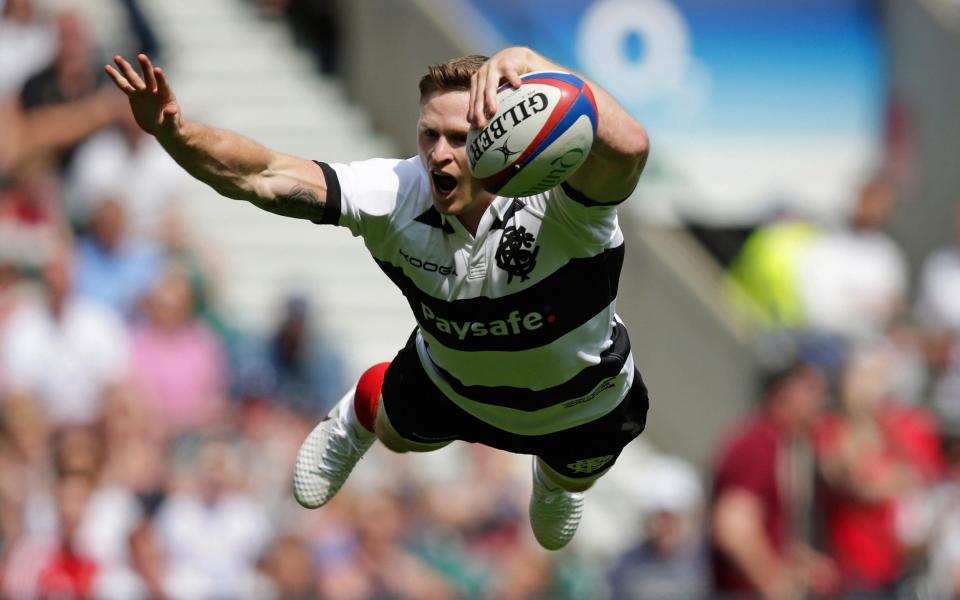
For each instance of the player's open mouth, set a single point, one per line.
(443, 183)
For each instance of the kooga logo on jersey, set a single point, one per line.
(426, 265)
(513, 324)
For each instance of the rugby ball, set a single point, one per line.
(541, 133)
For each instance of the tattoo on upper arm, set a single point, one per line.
(299, 203)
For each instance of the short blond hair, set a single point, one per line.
(453, 75)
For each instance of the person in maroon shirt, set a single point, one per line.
(762, 478)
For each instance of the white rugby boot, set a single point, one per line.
(329, 454)
(554, 512)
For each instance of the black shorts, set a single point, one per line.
(421, 413)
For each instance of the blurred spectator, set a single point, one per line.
(525, 573)
(177, 360)
(53, 128)
(74, 74)
(939, 286)
(469, 520)
(481, 497)
(874, 455)
(93, 526)
(64, 351)
(24, 456)
(112, 266)
(135, 462)
(289, 570)
(941, 529)
(134, 451)
(937, 310)
(112, 514)
(27, 44)
(464, 513)
(945, 364)
(909, 368)
(41, 566)
(66, 85)
(271, 436)
(670, 563)
(211, 532)
(75, 71)
(380, 563)
(761, 283)
(94, 533)
(55, 71)
(308, 375)
(199, 257)
(853, 281)
(31, 220)
(762, 485)
(125, 163)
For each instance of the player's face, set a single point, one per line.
(442, 143)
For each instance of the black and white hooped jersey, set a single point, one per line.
(517, 324)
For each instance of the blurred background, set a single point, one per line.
(792, 286)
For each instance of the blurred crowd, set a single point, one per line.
(846, 475)
(146, 442)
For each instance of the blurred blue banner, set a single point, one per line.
(752, 105)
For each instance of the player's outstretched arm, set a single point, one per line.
(620, 147)
(235, 166)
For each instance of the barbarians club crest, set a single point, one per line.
(514, 254)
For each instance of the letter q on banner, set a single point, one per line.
(663, 65)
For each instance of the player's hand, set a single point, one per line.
(508, 64)
(152, 101)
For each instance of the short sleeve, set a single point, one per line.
(363, 196)
(575, 195)
(748, 464)
(591, 222)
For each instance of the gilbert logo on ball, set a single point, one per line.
(542, 132)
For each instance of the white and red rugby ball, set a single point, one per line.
(542, 132)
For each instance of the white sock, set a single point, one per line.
(345, 412)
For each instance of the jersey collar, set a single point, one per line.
(500, 211)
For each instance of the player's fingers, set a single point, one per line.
(477, 107)
(129, 73)
(119, 80)
(490, 93)
(163, 86)
(472, 100)
(512, 76)
(148, 75)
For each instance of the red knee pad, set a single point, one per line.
(367, 397)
